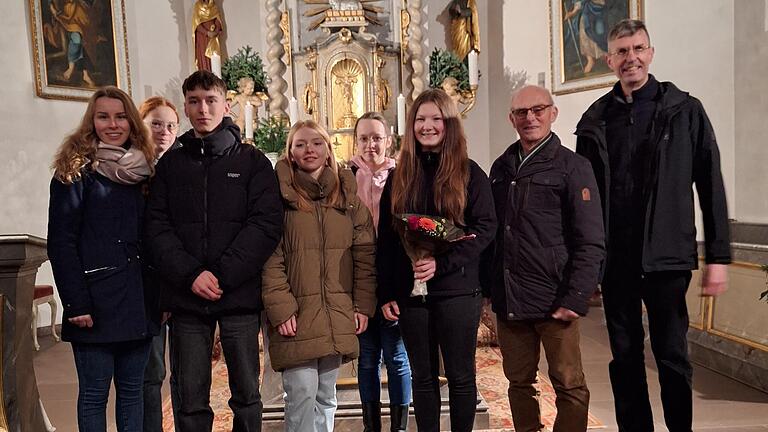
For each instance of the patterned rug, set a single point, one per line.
(490, 381)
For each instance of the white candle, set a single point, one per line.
(216, 64)
(248, 121)
(400, 114)
(293, 110)
(473, 70)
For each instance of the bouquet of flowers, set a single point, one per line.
(423, 236)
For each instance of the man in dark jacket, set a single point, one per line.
(546, 261)
(648, 142)
(214, 217)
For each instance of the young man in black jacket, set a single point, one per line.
(546, 261)
(214, 216)
(648, 142)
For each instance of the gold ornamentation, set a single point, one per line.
(383, 90)
(345, 35)
(465, 27)
(405, 21)
(311, 97)
(347, 93)
(460, 97)
(285, 26)
(3, 417)
(343, 13)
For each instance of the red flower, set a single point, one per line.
(427, 224)
(413, 223)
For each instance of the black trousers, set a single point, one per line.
(446, 325)
(663, 294)
(191, 345)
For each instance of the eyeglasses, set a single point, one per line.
(624, 52)
(376, 139)
(158, 125)
(537, 110)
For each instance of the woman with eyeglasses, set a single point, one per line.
(162, 120)
(372, 167)
(94, 226)
(435, 176)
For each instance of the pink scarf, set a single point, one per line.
(370, 184)
(121, 165)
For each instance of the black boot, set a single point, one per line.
(398, 417)
(372, 417)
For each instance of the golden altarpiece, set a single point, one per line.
(343, 58)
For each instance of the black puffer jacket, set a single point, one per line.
(683, 151)
(550, 243)
(214, 205)
(458, 270)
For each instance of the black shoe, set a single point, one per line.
(372, 417)
(398, 416)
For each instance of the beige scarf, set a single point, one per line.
(121, 165)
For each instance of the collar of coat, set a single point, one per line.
(226, 135)
(317, 189)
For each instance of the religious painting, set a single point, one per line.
(78, 46)
(579, 41)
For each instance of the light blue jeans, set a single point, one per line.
(310, 395)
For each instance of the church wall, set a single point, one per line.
(696, 53)
(751, 46)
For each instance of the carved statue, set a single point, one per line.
(310, 99)
(207, 25)
(240, 98)
(465, 27)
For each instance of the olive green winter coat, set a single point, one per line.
(323, 271)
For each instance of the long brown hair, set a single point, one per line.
(450, 184)
(79, 148)
(334, 197)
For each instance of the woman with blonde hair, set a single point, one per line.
(94, 224)
(319, 285)
(434, 176)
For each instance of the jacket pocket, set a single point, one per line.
(544, 191)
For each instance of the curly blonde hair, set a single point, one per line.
(79, 148)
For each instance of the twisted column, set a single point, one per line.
(277, 85)
(416, 48)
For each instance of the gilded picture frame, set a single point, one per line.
(78, 46)
(578, 41)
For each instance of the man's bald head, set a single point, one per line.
(532, 112)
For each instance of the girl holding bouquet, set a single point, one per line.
(319, 285)
(435, 177)
(372, 168)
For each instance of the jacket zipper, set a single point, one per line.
(323, 300)
(205, 200)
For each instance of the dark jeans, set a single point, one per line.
(383, 336)
(447, 326)
(97, 365)
(154, 375)
(663, 294)
(191, 344)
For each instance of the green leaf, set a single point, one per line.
(246, 63)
